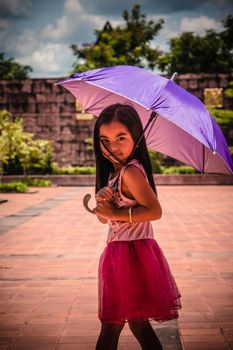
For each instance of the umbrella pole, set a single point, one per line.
(151, 120)
(203, 159)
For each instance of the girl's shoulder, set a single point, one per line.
(133, 163)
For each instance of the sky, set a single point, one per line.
(39, 33)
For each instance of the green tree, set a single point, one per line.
(127, 44)
(191, 53)
(9, 69)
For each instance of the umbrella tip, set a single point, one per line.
(174, 76)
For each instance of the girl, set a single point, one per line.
(135, 282)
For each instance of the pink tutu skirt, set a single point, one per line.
(135, 283)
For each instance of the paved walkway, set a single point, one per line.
(49, 250)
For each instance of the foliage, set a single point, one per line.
(229, 91)
(9, 69)
(36, 182)
(89, 144)
(224, 118)
(191, 53)
(231, 150)
(72, 170)
(182, 169)
(14, 186)
(121, 45)
(155, 162)
(19, 152)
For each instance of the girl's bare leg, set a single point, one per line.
(144, 333)
(109, 336)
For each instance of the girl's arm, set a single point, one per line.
(102, 220)
(137, 187)
(105, 194)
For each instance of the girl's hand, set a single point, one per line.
(105, 194)
(105, 209)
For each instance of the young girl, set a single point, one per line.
(135, 282)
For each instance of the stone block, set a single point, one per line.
(47, 108)
(67, 121)
(32, 99)
(29, 121)
(192, 84)
(60, 98)
(36, 86)
(27, 86)
(203, 84)
(31, 108)
(213, 83)
(65, 108)
(57, 146)
(66, 147)
(223, 82)
(52, 98)
(70, 98)
(41, 98)
(183, 84)
(42, 120)
(55, 129)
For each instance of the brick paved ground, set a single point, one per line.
(49, 250)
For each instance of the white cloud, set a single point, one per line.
(47, 51)
(75, 23)
(199, 24)
(73, 6)
(51, 59)
(26, 42)
(62, 29)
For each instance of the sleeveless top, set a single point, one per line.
(124, 231)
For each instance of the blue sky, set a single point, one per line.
(39, 32)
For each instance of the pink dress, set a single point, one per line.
(135, 281)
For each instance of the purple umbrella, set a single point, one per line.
(182, 127)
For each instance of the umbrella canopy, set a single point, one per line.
(183, 130)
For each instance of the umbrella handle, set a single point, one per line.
(86, 199)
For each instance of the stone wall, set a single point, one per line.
(50, 112)
(197, 83)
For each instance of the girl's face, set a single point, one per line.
(117, 139)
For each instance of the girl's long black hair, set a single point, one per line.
(128, 116)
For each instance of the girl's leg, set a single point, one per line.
(143, 331)
(109, 336)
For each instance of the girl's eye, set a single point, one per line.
(120, 139)
(104, 140)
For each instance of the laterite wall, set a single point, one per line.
(49, 112)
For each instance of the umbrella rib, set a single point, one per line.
(114, 93)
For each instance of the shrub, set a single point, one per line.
(155, 162)
(19, 152)
(14, 186)
(72, 170)
(224, 118)
(182, 169)
(36, 182)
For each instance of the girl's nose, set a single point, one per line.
(113, 146)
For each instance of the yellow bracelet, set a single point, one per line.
(130, 215)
